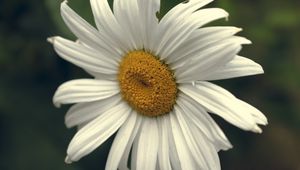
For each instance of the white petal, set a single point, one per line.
(172, 19)
(148, 20)
(124, 160)
(190, 142)
(258, 116)
(107, 23)
(184, 9)
(97, 131)
(184, 154)
(196, 52)
(84, 112)
(147, 145)
(84, 57)
(127, 15)
(200, 39)
(202, 151)
(206, 147)
(80, 126)
(218, 101)
(134, 151)
(185, 27)
(194, 113)
(98, 40)
(237, 67)
(84, 90)
(174, 157)
(121, 142)
(207, 60)
(101, 76)
(163, 151)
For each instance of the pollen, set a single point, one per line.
(147, 84)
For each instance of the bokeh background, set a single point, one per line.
(32, 131)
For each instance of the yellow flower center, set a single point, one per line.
(147, 84)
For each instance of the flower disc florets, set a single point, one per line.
(147, 84)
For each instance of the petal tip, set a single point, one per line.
(51, 40)
(259, 69)
(236, 30)
(65, 2)
(57, 105)
(226, 15)
(55, 102)
(64, 5)
(68, 160)
(262, 71)
(227, 18)
(68, 123)
(227, 147)
(248, 41)
(243, 40)
(257, 129)
(265, 122)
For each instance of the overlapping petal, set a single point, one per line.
(200, 39)
(164, 146)
(130, 21)
(148, 10)
(171, 20)
(219, 101)
(106, 22)
(174, 157)
(97, 39)
(211, 154)
(81, 113)
(124, 160)
(84, 57)
(205, 157)
(184, 28)
(237, 67)
(97, 131)
(208, 59)
(183, 152)
(123, 141)
(146, 145)
(195, 114)
(84, 90)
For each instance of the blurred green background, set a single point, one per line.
(32, 131)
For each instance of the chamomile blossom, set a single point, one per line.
(151, 84)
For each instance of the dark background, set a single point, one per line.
(32, 131)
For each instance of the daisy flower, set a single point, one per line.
(151, 84)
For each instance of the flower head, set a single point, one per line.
(151, 84)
